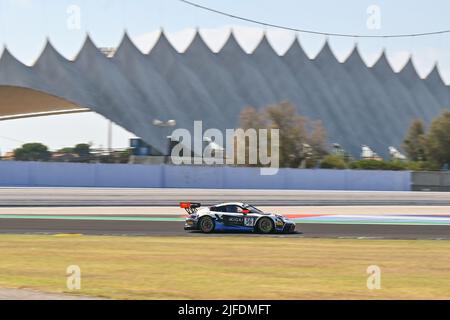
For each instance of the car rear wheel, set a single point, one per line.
(265, 225)
(206, 224)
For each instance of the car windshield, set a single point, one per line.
(252, 209)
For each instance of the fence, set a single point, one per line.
(39, 174)
(431, 181)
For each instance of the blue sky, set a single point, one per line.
(25, 24)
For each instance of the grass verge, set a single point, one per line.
(226, 267)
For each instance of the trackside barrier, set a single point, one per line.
(41, 174)
(431, 181)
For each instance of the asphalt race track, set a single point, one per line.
(154, 212)
(61, 197)
(175, 228)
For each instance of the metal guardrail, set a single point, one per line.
(431, 181)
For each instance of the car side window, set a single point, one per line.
(234, 209)
(219, 209)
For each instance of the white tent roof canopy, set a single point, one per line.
(16, 103)
(356, 103)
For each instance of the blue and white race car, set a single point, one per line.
(234, 216)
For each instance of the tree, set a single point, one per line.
(82, 149)
(333, 162)
(66, 150)
(318, 140)
(251, 118)
(301, 140)
(32, 152)
(415, 142)
(438, 140)
(393, 165)
(293, 133)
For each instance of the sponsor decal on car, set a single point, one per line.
(249, 221)
(233, 221)
(279, 223)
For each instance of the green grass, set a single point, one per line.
(227, 267)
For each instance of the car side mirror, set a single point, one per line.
(245, 211)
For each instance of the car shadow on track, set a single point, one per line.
(244, 233)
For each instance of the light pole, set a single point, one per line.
(165, 124)
(110, 137)
(169, 123)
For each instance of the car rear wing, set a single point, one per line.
(190, 207)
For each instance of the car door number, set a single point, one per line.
(249, 221)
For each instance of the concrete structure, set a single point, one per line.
(41, 174)
(358, 105)
(431, 181)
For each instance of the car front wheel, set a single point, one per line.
(206, 225)
(265, 225)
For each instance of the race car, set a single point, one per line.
(234, 216)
